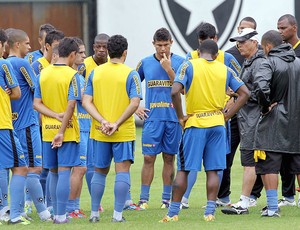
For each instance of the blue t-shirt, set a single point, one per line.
(158, 87)
(22, 109)
(83, 116)
(33, 56)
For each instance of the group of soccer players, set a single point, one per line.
(65, 116)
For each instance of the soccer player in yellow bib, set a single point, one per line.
(55, 98)
(204, 135)
(112, 95)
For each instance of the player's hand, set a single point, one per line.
(142, 113)
(165, 62)
(231, 93)
(60, 116)
(57, 141)
(270, 108)
(104, 126)
(113, 127)
(8, 90)
(183, 120)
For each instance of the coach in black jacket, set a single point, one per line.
(277, 87)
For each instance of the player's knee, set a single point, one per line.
(149, 160)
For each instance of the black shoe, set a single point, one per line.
(264, 213)
(118, 221)
(94, 219)
(235, 210)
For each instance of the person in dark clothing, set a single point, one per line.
(247, 42)
(224, 191)
(288, 28)
(277, 84)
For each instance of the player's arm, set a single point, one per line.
(242, 91)
(29, 75)
(14, 93)
(59, 137)
(12, 86)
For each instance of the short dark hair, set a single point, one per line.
(3, 36)
(206, 30)
(45, 28)
(209, 46)
(116, 46)
(273, 37)
(54, 35)
(66, 46)
(101, 36)
(249, 19)
(16, 35)
(78, 41)
(162, 34)
(291, 19)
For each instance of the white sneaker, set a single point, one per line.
(220, 203)
(285, 202)
(184, 205)
(252, 202)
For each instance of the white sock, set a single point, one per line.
(44, 215)
(61, 218)
(245, 200)
(184, 200)
(117, 215)
(96, 214)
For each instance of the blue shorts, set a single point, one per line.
(90, 154)
(105, 151)
(65, 156)
(208, 144)
(11, 150)
(31, 144)
(83, 148)
(161, 136)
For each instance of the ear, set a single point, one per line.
(47, 46)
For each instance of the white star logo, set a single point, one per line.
(197, 11)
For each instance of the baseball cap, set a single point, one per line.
(245, 35)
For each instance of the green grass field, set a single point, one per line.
(191, 218)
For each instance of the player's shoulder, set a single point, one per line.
(177, 57)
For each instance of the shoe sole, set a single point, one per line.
(234, 212)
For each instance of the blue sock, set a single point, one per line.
(17, 186)
(77, 203)
(43, 180)
(1, 200)
(210, 207)
(88, 177)
(128, 196)
(174, 209)
(48, 195)
(192, 177)
(272, 199)
(27, 195)
(71, 206)
(36, 191)
(122, 185)
(97, 189)
(53, 178)
(145, 189)
(63, 191)
(4, 186)
(225, 199)
(167, 189)
(253, 197)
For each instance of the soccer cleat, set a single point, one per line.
(252, 202)
(113, 220)
(220, 203)
(165, 204)
(143, 204)
(235, 210)
(72, 215)
(94, 219)
(21, 221)
(184, 205)
(65, 221)
(169, 219)
(265, 213)
(286, 202)
(209, 218)
(28, 209)
(5, 217)
(80, 214)
(132, 207)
